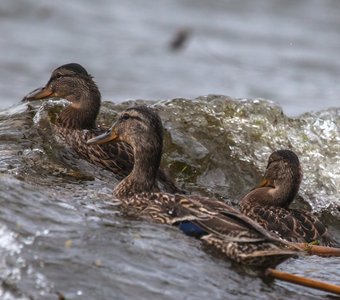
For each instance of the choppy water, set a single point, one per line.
(286, 51)
(62, 233)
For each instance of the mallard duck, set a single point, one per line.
(268, 204)
(77, 122)
(214, 222)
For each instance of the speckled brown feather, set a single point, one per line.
(115, 157)
(228, 231)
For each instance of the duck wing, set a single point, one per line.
(313, 229)
(115, 157)
(209, 215)
(216, 223)
(292, 225)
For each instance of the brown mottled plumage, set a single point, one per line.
(216, 223)
(268, 204)
(77, 122)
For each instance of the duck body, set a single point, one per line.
(293, 225)
(268, 204)
(215, 223)
(76, 123)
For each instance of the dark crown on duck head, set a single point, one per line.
(139, 124)
(285, 155)
(73, 83)
(135, 126)
(77, 68)
(69, 71)
(283, 168)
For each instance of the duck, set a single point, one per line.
(269, 203)
(213, 222)
(76, 123)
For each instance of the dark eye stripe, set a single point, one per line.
(58, 76)
(126, 116)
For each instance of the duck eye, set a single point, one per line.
(58, 76)
(125, 117)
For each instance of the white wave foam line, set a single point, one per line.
(8, 241)
(42, 112)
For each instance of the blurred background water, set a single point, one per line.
(62, 234)
(286, 51)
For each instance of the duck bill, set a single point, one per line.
(39, 93)
(265, 182)
(104, 138)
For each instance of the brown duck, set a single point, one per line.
(216, 223)
(77, 122)
(268, 204)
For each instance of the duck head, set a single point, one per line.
(280, 183)
(73, 83)
(142, 129)
(136, 126)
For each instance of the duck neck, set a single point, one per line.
(83, 110)
(147, 158)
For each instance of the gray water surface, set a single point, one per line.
(286, 51)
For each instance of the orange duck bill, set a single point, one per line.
(39, 93)
(104, 138)
(266, 183)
